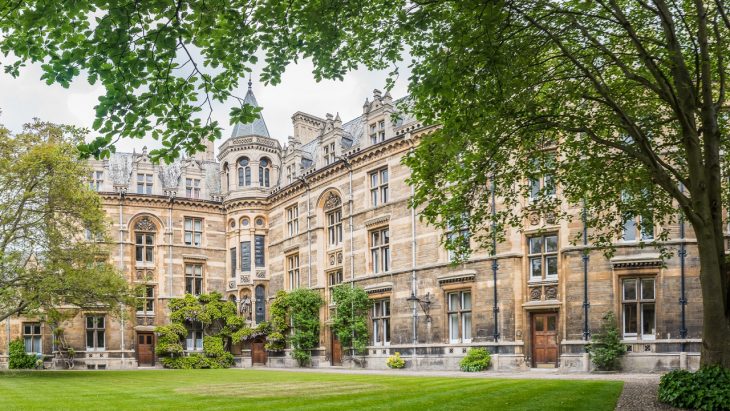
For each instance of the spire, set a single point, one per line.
(255, 128)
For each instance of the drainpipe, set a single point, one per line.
(586, 304)
(352, 250)
(121, 266)
(414, 283)
(309, 233)
(169, 243)
(495, 265)
(682, 257)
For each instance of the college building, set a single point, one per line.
(331, 206)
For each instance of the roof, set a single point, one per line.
(256, 127)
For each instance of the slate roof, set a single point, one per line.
(255, 128)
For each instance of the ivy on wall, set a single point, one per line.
(350, 318)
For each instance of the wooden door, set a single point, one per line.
(336, 350)
(545, 339)
(258, 353)
(145, 349)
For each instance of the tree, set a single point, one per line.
(633, 92)
(45, 208)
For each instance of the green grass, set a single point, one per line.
(267, 390)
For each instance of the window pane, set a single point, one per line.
(386, 236)
(100, 339)
(534, 188)
(647, 319)
(89, 339)
(89, 322)
(630, 289)
(535, 245)
(376, 331)
(539, 323)
(536, 267)
(466, 326)
(552, 266)
(630, 230)
(386, 308)
(647, 289)
(466, 301)
(149, 254)
(384, 176)
(453, 301)
(630, 319)
(386, 330)
(552, 323)
(551, 244)
(188, 224)
(454, 327)
(374, 180)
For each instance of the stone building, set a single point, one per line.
(331, 207)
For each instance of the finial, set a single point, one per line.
(249, 82)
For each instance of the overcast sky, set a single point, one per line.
(26, 97)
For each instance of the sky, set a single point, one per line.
(28, 97)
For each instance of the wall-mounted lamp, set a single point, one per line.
(424, 302)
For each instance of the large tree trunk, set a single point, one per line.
(716, 319)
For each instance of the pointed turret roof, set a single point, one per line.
(255, 128)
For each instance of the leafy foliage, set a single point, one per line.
(220, 323)
(350, 318)
(45, 207)
(476, 359)
(19, 359)
(395, 361)
(304, 305)
(276, 340)
(606, 347)
(706, 389)
(163, 63)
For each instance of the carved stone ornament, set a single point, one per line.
(535, 294)
(339, 258)
(261, 274)
(551, 218)
(145, 225)
(551, 293)
(332, 259)
(333, 200)
(534, 219)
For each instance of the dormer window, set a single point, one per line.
(329, 154)
(264, 172)
(244, 172)
(373, 134)
(289, 174)
(381, 131)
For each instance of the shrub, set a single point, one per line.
(606, 347)
(477, 359)
(706, 389)
(19, 359)
(395, 361)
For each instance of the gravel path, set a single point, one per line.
(641, 395)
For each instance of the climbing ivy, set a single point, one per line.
(219, 321)
(350, 319)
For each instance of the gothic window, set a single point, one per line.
(543, 257)
(459, 316)
(144, 183)
(334, 227)
(292, 220)
(292, 265)
(639, 308)
(32, 337)
(259, 245)
(146, 300)
(260, 303)
(380, 250)
(379, 187)
(264, 172)
(192, 187)
(245, 256)
(244, 172)
(193, 231)
(95, 333)
(226, 172)
(194, 279)
(380, 316)
(144, 241)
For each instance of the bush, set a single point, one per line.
(19, 359)
(706, 389)
(395, 361)
(606, 347)
(477, 359)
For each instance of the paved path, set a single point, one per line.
(639, 393)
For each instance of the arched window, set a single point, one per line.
(333, 216)
(244, 172)
(144, 241)
(264, 172)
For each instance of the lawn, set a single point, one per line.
(267, 390)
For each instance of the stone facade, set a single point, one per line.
(331, 206)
